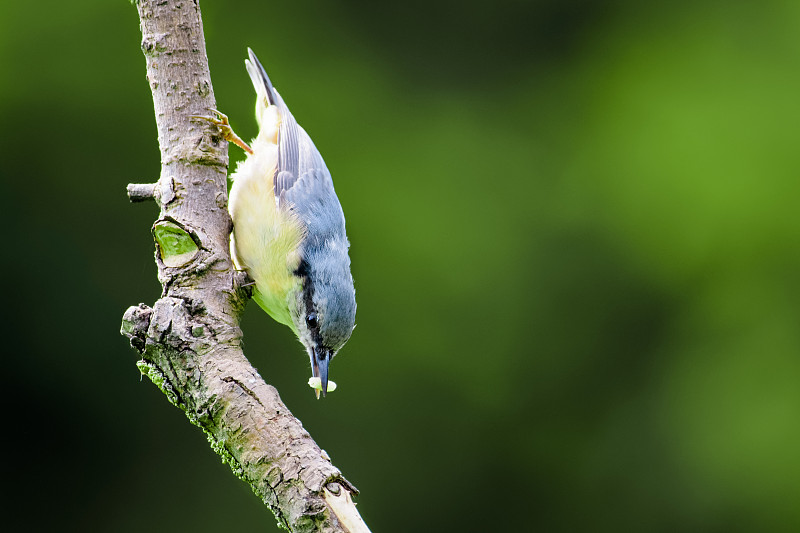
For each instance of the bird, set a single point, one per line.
(289, 228)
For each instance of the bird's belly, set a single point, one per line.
(265, 239)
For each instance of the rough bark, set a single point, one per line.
(190, 340)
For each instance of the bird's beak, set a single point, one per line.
(319, 361)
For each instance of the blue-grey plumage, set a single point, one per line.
(289, 230)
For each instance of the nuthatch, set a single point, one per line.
(288, 228)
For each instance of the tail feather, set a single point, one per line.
(288, 137)
(260, 79)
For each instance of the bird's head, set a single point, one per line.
(324, 310)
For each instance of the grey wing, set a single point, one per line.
(288, 170)
(303, 183)
(313, 199)
(298, 159)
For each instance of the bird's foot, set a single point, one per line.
(220, 120)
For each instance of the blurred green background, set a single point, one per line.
(574, 238)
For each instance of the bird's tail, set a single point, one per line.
(261, 83)
(288, 151)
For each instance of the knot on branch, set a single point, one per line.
(172, 323)
(176, 245)
(163, 191)
(141, 192)
(135, 324)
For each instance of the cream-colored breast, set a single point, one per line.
(265, 239)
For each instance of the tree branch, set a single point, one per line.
(190, 340)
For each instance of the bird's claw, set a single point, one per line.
(224, 126)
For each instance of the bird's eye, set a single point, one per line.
(311, 320)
